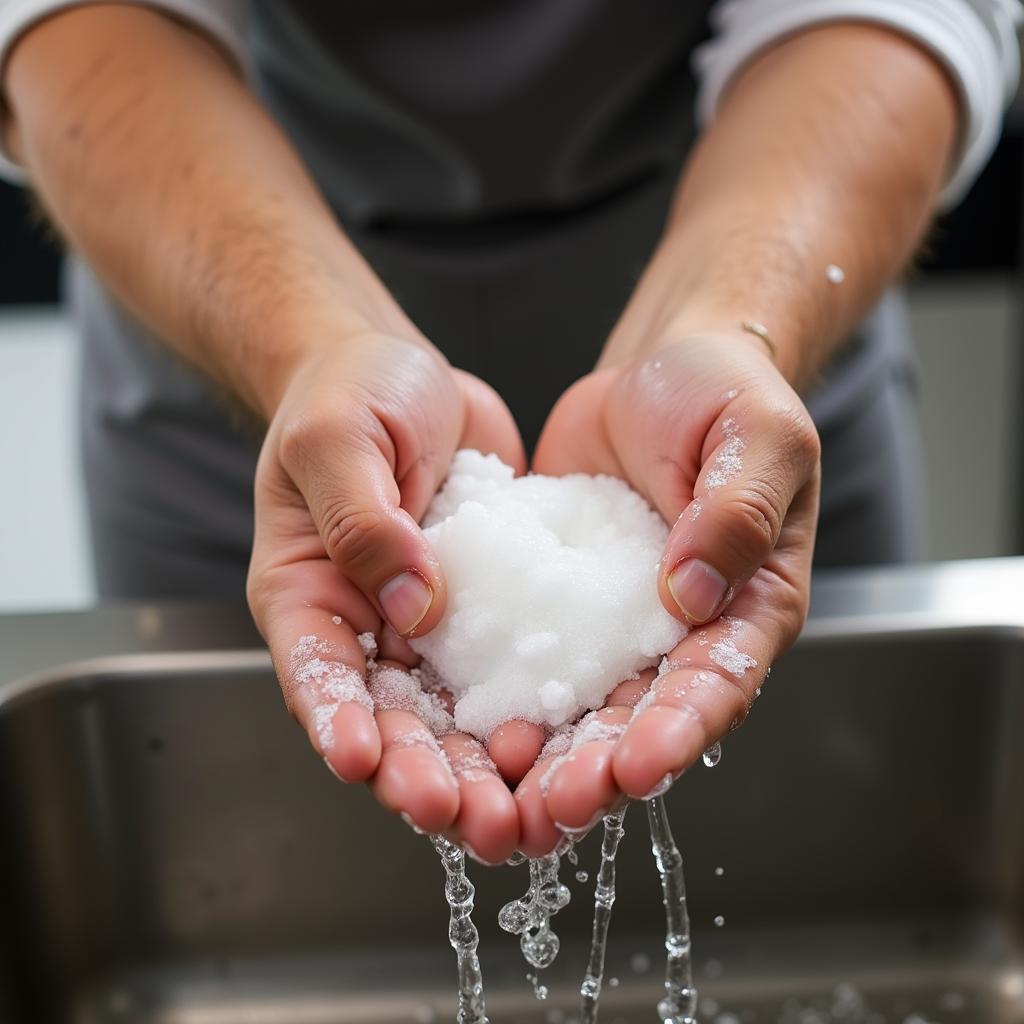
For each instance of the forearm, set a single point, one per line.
(159, 166)
(829, 149)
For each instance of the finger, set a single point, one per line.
(628, 693)
(346, 475)
(488, 821)
(394, 648)
(514, 747)
(310, 620)
(413, 778)
(538, 834)
(581, 789)
(568, 443)
(716, 672)
(762, 460)
(489, 426)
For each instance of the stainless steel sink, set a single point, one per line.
(171, 851)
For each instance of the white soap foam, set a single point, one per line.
(368, 643)
(591, 728)
(313, 664)
(729, 461)
(395, 689)
(835, 274)
(552, 592)
(726, 654)
(473, 766)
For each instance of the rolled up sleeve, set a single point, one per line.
(975, 40)
(222, 20)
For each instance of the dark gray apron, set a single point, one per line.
(506, 168)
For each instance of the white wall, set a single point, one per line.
(43, 543)
(967, 339)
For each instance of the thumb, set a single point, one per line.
(760, 462)
(349, 486)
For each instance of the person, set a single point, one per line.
(281, 215)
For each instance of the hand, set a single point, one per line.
(716, 440)
(362, 438)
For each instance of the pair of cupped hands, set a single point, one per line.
(362, 439)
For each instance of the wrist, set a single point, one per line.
(296, 331)
(731, 330)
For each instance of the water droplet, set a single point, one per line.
(719, 871)
(640, 963)
(514, 917)
(719, 921)
(581, 877)
(540, 991)
(713, 755)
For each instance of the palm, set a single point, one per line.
(384, 412)
(659, 426)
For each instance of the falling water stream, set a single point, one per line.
(679, 1005)
(530, 915)
(462, 933)
(604, 899)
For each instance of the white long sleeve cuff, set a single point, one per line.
(974, 39)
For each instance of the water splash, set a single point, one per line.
(529, 917)
(462, 933)
(604, 899)
(680, 1003)
(713, 754)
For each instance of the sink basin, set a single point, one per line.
(171, 851)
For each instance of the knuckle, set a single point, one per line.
(799, 436)
(299, 438)
(753, 522)
(353, 536)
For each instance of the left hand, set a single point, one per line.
(711, 434)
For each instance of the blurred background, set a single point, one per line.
(966, 298)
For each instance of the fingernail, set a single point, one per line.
(579, 831)
(334, 771)
(407, 818)
(697, 588)
(405, 599)
(473, 855)
(663, 785)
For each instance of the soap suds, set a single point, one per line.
(552, 593)
(473, 766)
(726, 654)
(332, 682)
(591, 728)
(836, 275)
(368, 643)
(395, 689)
(729, 460)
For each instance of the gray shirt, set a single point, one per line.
(506, 168)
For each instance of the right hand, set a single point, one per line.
(360, 441)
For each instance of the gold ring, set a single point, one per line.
(753, 327)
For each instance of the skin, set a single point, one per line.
(121, 117)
